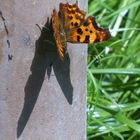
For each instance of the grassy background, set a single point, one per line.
(113, 102)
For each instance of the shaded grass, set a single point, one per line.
(113, 101)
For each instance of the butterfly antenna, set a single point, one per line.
(38, 27)
(47, 28)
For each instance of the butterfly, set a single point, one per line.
(71, 25)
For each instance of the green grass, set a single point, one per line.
(113, 100)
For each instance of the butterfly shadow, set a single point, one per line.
(45, 59)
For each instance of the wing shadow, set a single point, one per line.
(45, 59)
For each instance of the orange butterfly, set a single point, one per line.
(70, 25)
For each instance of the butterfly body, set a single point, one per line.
(70, 25)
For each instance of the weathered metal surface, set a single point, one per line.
(38, 100)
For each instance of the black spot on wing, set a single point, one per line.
(79, 31)
(78, 38)
(72, 23)
(91, 31)
(87, 39)
(70, 17)
(75, 24)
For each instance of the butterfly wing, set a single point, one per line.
(71, 16)
(70, 25)
(88, 32)
(56, 27)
